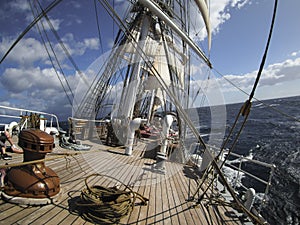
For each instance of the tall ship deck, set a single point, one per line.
(147, 138)
(169, 194)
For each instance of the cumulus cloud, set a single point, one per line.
(78, 47)
(272, 75)
(281, 72)
(52, 24)
(36, 88)
(26, 52)
(296, 53)
(39, 87)
(17, 80)
(19, 5)
(234, 87)
(219, 14)
(30, 50)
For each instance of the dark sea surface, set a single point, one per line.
(274, 137)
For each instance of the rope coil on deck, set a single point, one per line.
(107, 205)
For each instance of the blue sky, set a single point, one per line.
(240, 30)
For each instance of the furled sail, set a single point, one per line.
(203, 7)
(155, 9)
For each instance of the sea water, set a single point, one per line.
(272, 135)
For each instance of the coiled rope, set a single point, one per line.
(107, 205)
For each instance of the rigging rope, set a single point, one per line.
(251, 96)
(55, 56)
(98, 26)
(107, 205)
(65, 48)
(40, 16)
(244, 111)
(58, 155)
(265, 53)
(180, 109)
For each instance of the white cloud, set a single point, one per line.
(36, 88)
(55, 24)
(78, 47)
(296, 53)
(91, 43)
(281, 72)
(277, 80)
(219, 14)
(17, 80)
(30, 50)
(239, 3)
(75, 4)
(272, 75)
(40, 87)
(281, 77)
(19, 5)
(220, 11)
(26, 52)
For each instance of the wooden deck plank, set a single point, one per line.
(174, 201)
(158, 199)
(200, 211)
(135, 185)
(139, 212)
(168, 205)
(113, 173)
(43, 210)
(168, 193)
(46, 213)
(185, 216)
(151, 205)
(71, 217)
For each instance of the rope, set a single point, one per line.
(265, 53)
(63, 46)
(98, 26)
(54, 54)
(41, 15)
(107, 205)
(62, 155)
(244, 111)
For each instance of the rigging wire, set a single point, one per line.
(55, 56)
(98, 26)
(265, 53)
(40, 16)
(94, 84)
(65, 49)
(203, 91)
(244, 111)
(251, 95)
(256, 99)
(185, 117)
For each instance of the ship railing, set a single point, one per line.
(266, 181)
(22, 117)
(87, 128)
(237, 183)
(196, 152)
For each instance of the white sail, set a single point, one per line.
(155, 9)
(203, 7)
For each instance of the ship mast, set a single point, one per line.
(150, 54)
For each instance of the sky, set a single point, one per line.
(239, 34)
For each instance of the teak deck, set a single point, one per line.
(168, 193)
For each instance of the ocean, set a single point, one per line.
(272, 135)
